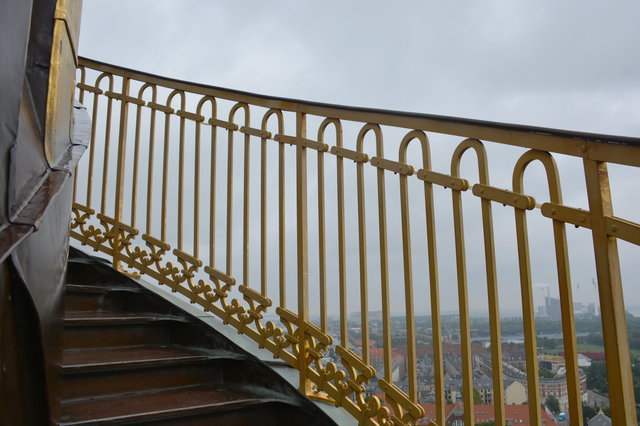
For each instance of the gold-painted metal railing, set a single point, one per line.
(112, 193)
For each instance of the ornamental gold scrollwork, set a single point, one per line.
(290, 339)
(187, 273)
(341, 385)
(118, 235)
(87, 234)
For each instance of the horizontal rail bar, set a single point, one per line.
(441, 179)
(392, 166)
(356, 156)
(88, 88)
(255, 132)
(623, 229)
(190, 115)
(601, 147)
(308, 143)
(160, 107)
(121, 97)
(577, 217)
(224, 124)
(504, 196)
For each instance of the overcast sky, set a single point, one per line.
(572, 65)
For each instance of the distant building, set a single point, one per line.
(484, 385)
(454, 415)
(553, 308)
(594, 399)
(583, 361)
(515, 393)
(551, 362)
(599, 419)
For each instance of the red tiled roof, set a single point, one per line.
(484, 413)
(371, 342)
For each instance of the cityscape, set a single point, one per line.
(551, 363)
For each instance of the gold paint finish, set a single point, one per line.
(170, 260)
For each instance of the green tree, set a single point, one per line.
(546, 374)
(597, 377)
(477, 397)
(552, 404)
(588, 412)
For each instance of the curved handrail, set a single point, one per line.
(542, 138)
(351, 374)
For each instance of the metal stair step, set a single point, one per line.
(108, 329)
(114, 318)
(95, 372)
(122, 357)
(158, 406)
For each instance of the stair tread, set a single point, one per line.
(88, 288)
(77, 317)
(149, 405)
(127, 356)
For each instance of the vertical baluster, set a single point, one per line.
(533, 389)
(384, 279)
(92, 145)
(136, 159)
(490, 268)
(152, 139)
(342, 279)
(232, 113)
(407, 262)
(196, 190)
(566, 301)
(263, 194)
(408, 288)
(229, 197)
(212, 184)
(434, 295)
(613, 316)
(105, 160)
(302, 246)
(281, 229)
(362, 237)
(438, 368)
(263, 215)
(181, 176)
(322, 253)
(196, 180)
(165, 168)
(120, 172)
(245, 209)
(463, 304)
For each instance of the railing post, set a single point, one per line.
(122, 148)
(303, 250)
(612, 313)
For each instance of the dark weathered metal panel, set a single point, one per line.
(14, 36)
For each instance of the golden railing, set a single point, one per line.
(184, 168)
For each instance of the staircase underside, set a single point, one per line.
(131, 357)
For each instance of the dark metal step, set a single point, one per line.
(108, 329)
(92, 298)
(164, 404)
(94, 372)
(116, 297)
(132, 357)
